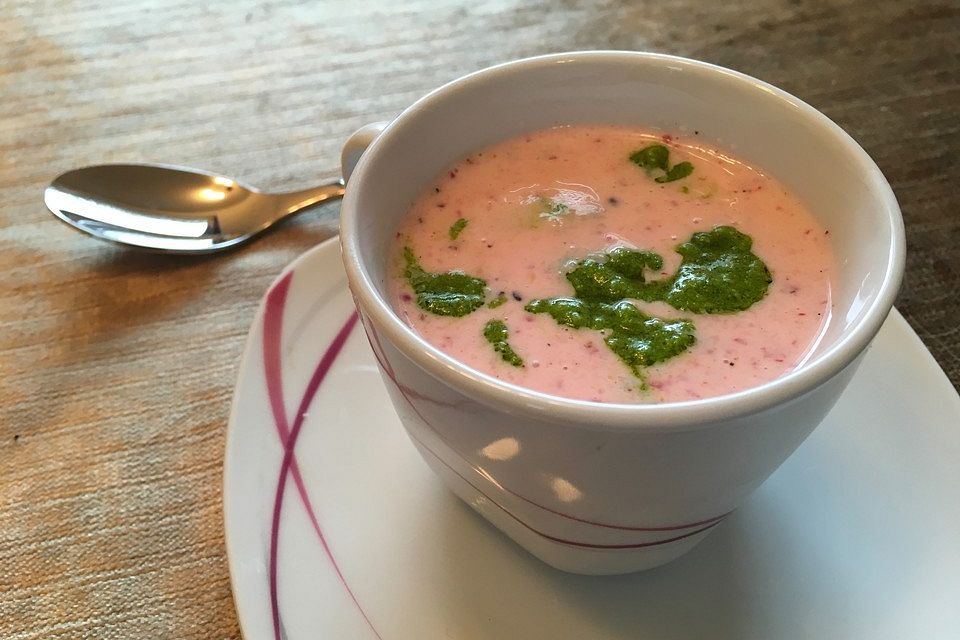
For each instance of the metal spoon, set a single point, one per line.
(174, 209)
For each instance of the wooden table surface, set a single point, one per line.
(116, 368)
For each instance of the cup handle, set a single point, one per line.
(356, 144)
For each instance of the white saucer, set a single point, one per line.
(856, 536)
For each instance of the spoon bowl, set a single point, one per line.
(174, 209)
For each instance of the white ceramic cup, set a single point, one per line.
(612, 488)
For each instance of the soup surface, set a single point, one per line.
(614, 264)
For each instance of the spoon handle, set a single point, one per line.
(297, 201)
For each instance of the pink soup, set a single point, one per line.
(518, 218)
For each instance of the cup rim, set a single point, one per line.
(673, 416)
